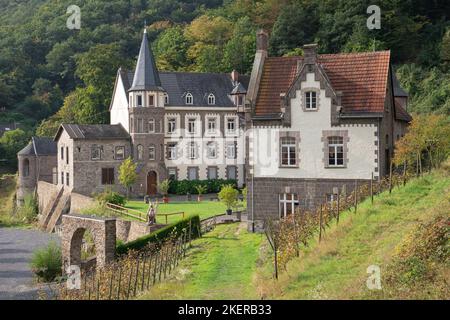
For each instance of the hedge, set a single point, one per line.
(160, 235)
(182, 187)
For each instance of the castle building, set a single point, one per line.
(296, 132)
(316, 124)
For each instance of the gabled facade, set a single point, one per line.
(318, 123)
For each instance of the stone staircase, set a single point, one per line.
(62, 204)
(50, 208)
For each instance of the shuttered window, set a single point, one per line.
(107, 176)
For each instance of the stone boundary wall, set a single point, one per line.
(131, 230)
(46, 192)
(79, 202)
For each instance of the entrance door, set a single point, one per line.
(152, 184)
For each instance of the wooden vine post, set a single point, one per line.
(371, 188)
(320, 223)
(390, 178)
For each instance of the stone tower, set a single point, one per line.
(146, 112)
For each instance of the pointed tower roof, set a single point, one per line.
(146, 76)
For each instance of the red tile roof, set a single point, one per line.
(362, 78)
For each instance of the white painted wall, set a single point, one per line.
(264, 145)
(119, 109)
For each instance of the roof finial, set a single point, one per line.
(145, 25)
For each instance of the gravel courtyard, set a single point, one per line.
(16, 250)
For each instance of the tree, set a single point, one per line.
(296, 25)
(127, 174)
(170, 49)
(228, 195)
(11, 143)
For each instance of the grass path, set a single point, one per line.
(336, 268)
(220, 265)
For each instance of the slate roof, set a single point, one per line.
(94, 132)
(362, 78)
(398, 90)
(401, 114)
(146, 76)
(200, 85)
(40, 146)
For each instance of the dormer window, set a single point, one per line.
(151, 100)
(139, 100)
(189, 99)
(211, 99)
(240, 100)
(166, 98)
(310, 100)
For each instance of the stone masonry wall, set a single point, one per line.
(311, 192)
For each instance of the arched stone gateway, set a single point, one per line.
(103, 231)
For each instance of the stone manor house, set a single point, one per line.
(294, 132)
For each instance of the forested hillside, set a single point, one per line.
(50, 74)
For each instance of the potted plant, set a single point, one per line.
(201, 189)
(164, 189)
(228, 195)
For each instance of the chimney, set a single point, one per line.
(310, 53)
(262, 40)
(235, 76)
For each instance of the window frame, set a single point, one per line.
(335, 146)
(140, 152)
(108, 176)
(172, 151)
(116, 153)
(211, 145)
(216, 170)
(151, 126)
(191, 122)
(151, 100)
(152, 152)
(189, 99)
(95, 148)
(188, 171)
(228, 172)
(192, 150)
(211, 99)
(231, 120)
(209, 121)
(171, 125)
(311, 100)
(234, 153)
(139, 97)
(288, 143)
(284, 202)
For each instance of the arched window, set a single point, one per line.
(26, 168)
(140, 152)
(211, 99)
(166, 98)
(189, 98)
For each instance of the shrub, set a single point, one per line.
(201, 189)
(228, 195)
(181, 187)
(109, 196)
(164, 187)
(162, 234)
(29, 210)
(47, 262)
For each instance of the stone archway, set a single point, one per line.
(103, 231)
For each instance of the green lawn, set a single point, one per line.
(220, 265)
(204, 209)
